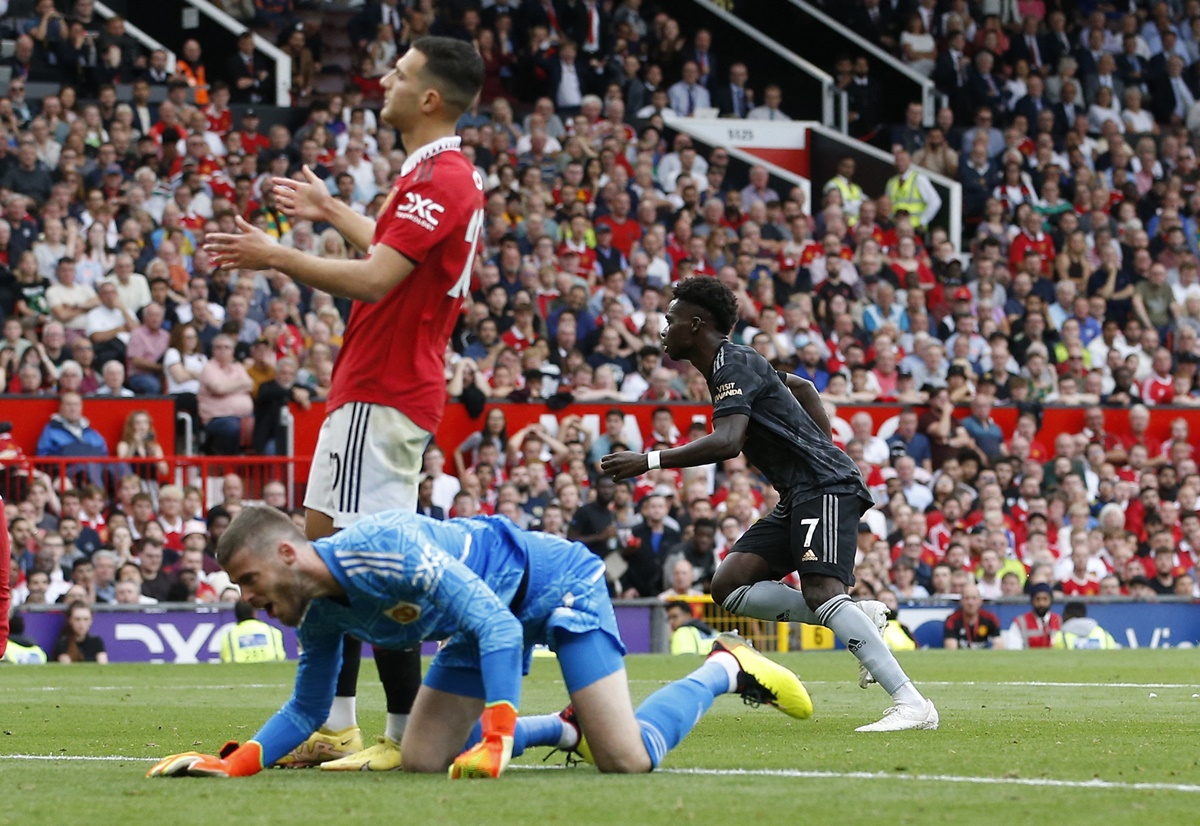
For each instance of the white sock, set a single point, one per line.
(395, 726)
(907, 695)
(569, 738)
(730, 664)
(342, 714)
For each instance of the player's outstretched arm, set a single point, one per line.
(367, 280)
(316, 680)
(806, 393)
(725, 442)
(309, 200)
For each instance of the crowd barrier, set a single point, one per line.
(191, 634)
(1172, 622)
(207, 473)
(29, 416)
(186, 633)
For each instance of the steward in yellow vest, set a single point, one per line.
(1080, 632)
(22, 650)
(251, 640)
(852, 193)
(910, 192)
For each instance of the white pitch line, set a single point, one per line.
(975, 683)
(147, 687)
(923, 778)
(951, 683)
(76, 757)
(1046, 684)
(799, 774)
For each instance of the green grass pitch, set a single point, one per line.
(1051, 737)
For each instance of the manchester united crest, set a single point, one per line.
(404, 613)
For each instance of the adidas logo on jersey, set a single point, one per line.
(809, 556)
(423, 211)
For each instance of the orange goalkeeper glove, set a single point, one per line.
(233, 761)
(489, 757)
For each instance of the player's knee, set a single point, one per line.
(423, 764)
(738, 570)
(818, 593)
(626, 763)
(722, 587)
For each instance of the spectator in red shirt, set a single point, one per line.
(252, 141)
(1080, 582)
(626, 231)
(523, 332)
(1159, 386)
(1139, 421)
(660, 389)
(970, 626)
(218, 114)
(1032, 238)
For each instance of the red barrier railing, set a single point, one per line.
(206, 473)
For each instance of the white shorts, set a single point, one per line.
(368, 460)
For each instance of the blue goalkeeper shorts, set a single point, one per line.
(566, 608)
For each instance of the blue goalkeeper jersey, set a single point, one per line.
(409, 578)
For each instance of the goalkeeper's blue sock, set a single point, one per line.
(531, 732)
(669, 714)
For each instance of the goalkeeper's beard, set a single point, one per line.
(304, 591)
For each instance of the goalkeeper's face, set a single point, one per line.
(271, 582)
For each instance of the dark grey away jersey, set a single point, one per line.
(782, 440)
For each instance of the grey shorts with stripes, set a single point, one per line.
(809, 535)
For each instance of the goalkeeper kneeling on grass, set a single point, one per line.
(492, 592)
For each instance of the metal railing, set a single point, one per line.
(833, 100)
(951, 206)
(931, 98)
(139, 35)
(688, 125)
(283, 62)
(206, 473)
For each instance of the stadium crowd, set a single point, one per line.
(1081, 285)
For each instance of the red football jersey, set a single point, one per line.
(393, 350)
(1158, 390)
(625, 233)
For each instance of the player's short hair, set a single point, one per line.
(256, 529)
(455, 67)
(713, 297)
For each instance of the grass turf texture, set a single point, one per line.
(990, 729)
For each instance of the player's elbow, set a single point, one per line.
(729, 446)
(371, 292)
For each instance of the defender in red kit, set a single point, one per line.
(389, 390)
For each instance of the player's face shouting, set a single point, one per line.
(271, 583)
(403, 90)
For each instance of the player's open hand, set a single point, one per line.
(306, 200)
(624, 465)
(190, 764)
(233, 761)
(248, 250)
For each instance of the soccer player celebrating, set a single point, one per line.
(388, 391)
(778, 421)
(492, 592)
